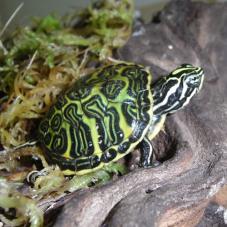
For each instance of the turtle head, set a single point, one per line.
(174, 91)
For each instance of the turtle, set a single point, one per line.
(106, 114)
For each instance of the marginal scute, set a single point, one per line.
(101, 118)
(123, 147)
(95, 161)
(108, 155)
(47, 139)
(43, 126)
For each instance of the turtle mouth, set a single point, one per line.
(200, 82)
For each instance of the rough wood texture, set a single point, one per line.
(177, 192)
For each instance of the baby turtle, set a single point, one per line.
(103, 116)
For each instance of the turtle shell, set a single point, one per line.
(101, 118)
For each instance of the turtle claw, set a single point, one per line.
(153, 164)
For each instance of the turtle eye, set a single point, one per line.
(193, 80)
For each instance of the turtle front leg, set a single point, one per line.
(146, 153)
(148, 158)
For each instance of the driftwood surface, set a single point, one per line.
(188, 188)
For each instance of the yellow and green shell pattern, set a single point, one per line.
(100, 119)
